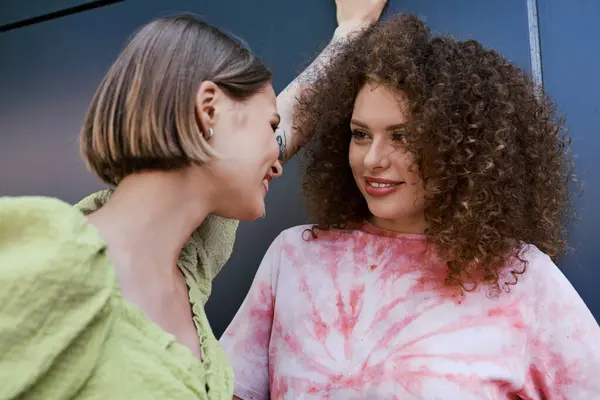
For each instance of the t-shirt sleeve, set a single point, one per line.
(246, 340)
(55, 302)
(565, 340)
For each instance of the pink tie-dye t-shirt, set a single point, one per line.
(364, 314)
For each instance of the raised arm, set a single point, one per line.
(352, 16)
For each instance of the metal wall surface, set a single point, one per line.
(49, 71)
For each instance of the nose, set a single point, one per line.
(276, 169)
(377, 156)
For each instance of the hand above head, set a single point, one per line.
(354, 15)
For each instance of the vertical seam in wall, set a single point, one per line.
(535, 55)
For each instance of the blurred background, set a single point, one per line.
(53, 54)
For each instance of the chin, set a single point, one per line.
(252, 217)
(252, 214)
(242, 206)
(382, 211)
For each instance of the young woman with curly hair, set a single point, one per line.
(437, 177)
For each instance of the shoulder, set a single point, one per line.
(534, 275)
(548, 291)
(50, 238)
(46, 221)
(216, 236)
(562, 327)
(311, 235)
(311, 242)
(540, 270)
(206, 252)
(94, 201)
(295, 232)
(55, 306)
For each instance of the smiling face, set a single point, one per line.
(383, 169)
(244, 139)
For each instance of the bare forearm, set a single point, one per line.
(286, 136)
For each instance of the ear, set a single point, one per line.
(207, 103)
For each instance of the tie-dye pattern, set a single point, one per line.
(364, 315)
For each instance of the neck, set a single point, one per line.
(149, 219)
(410, 225)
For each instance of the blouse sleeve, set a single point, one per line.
(565, 341)
(246, 340)
(212, 245)
(55, 302)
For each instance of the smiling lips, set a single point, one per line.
(268, 178)
(377, 187)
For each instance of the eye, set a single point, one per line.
(358, 135)
(274, 122)
(399, 137)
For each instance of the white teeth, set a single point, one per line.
(378, 185)
(266, 184)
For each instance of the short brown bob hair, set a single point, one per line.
(143, 117)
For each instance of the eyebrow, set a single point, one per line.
(389, 127)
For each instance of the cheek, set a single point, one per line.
(261, 139)
(355, 159)
(268, 147)
(226, 136)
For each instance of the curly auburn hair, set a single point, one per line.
(490, 147)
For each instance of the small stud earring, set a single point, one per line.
(210, 133)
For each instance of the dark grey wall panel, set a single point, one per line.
(13, 11)
(569, 33)
(49, 71)
(501, 25)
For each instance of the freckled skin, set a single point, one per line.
(364, 314)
